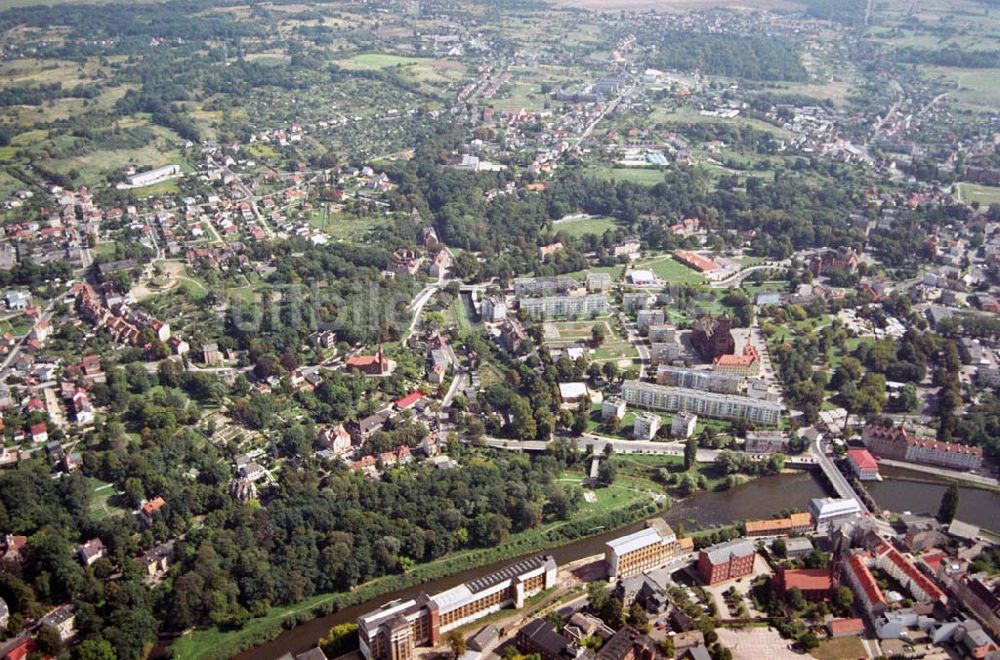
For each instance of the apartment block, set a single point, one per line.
(708, 404)
(698, 379)
(549, 307)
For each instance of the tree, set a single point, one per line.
(456, 642)
(949, 505)
(610, 370)
(598, 595)
(96, 649)
(843, 599)
(809, 641)
(49, 640)
(691, 453)
(796, 599)
(607, 471)
(598, 334)
(779, 548)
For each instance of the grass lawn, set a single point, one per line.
(578, 227)
(974, 192)
(369, 61)
(101, 492)
(260, 150)
(842, 647)
(975, 89)
(641, 175)
(460, 313)
(615, 272)
(671, 270)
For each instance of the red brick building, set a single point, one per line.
(726, 561)
(814, 583)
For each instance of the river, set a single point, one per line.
(917, 492)
(759, 498)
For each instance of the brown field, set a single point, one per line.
(676, 5)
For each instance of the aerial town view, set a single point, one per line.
(499, 329)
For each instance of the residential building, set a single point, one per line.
(91, 551)
(766, 442)
(646, 425)
(648, 317)
(513, 335)
(597, 282)
(640, 551)
(393, 631)
(798, 546)
(629, 644)
(63, 620)
(362, 429)
(921, 587)
(150, 508)
(663, 352)
(440, 264)
(796, 523)
(628, 248)
(632, 302)
(867, 593)
(494, 309)
(862, 464)
(613, 407)
(566, 306)
(544, 286)
(211, 355)
(682, 424)
(709, 404)
(336, 439)
(895, 443)
(829, 512)
(662, 332)
(539, 637)
(158, 560)
(726, 561)
(698, 379)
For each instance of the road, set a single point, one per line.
(16, 350)
(416, 307)
(957, 475)
(839, 482)
(737, 278)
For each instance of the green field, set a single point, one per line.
(578, 227)
(101, 492)
(375, 61)
(974, 192)
(640, 175)
(614, 348)
(976, 89)
(671, 270)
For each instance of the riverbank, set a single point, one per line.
(938, 475)
(603, 516)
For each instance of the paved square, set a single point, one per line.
(756, 644)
